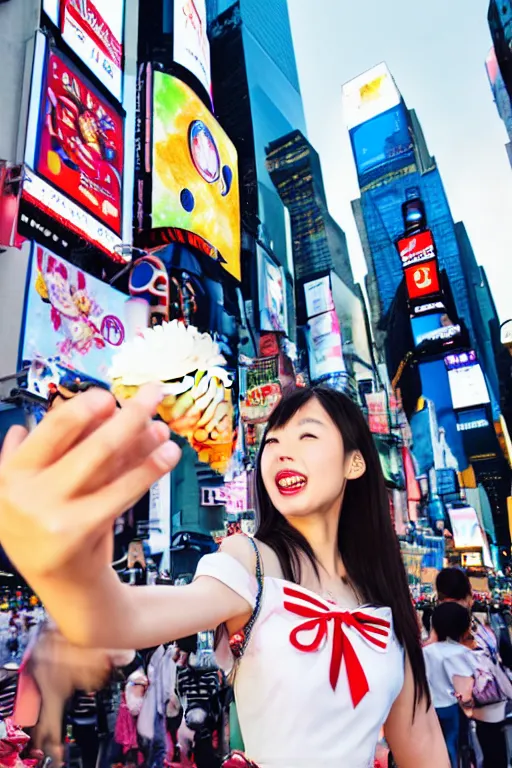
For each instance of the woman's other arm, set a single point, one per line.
(416, 741)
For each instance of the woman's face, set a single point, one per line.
(303, 464)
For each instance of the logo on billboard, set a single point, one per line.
(422, 280)
(433, 306)
(415, 249)
(204, 152)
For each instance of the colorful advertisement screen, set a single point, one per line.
(467, 381)
(416, 249)
(422, 280)
(81, 144)
(467, 531)
(369, 95)
(433, 327)
(383, 144)
(272, 294)
(191, 44)
(71, 318)
(318, 296)
(195, 174)
(93, 29)
(324, 346)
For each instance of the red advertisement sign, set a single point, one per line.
(422, 280)
(416, 248)
(81, 143)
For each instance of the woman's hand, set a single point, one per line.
(63, 486)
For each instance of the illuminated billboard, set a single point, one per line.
(382, 145)
(416, 249)
(81, 143)
(369, 95)
(272, 294)
(324, 346)
(195, 192)
(467, 381)
(94, 31)
(318, 296)
(422, 280)
(191, 44)
(71, 318)
(436, 327)
(467, 531)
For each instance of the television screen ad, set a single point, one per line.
(422, 280)
(324, 346)
(94, 31)
(467, 381)
(81, 144)
(71, 318)
(191, 44)
(467, 531)
(433, 327)
(272, 294)
(416, 249)
(369, 95)
(382, 145)
(318, 297)
(195, 194)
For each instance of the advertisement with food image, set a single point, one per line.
(195, 192)
(71, 319)
(198, 402)
(81, 144)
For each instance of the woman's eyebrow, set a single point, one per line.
(311, 421)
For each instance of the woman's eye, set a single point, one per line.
(270, 441)
(307, 435)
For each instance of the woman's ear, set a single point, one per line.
(356, 467)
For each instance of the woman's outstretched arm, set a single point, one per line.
(61, 489)
(415, 742)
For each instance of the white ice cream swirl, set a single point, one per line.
(166, 353)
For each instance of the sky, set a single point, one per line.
(436, 52)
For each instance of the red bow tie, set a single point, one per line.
(318, 615)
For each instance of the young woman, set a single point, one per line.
(450, 671)
(331, 644)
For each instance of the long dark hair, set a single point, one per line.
(367, 541)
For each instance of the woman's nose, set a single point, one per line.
(285, 458)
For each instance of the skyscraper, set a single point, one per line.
(500, 25)
(501, 97)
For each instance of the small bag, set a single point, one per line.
(492, 685)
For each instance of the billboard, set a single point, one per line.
(378, 413)
(467, 531)
(71, 318)
(368, 95)
(324, 346)
(467, 381)
(191, 44)
(433, 327)
(81, 143)
(318, 296)
(272, 294)
(94, 31)
(195, 194)
(506, 333)
(493, 68)
(422, 280)
(416, 249)
(382, 145)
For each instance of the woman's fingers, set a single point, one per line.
(97, 453)
(109, 502)
(61, 429)
(13, 439)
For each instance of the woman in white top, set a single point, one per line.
(334, 651)
(450, 671)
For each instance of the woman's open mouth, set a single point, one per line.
(289, 482)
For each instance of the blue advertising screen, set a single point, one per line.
(435, 327)
(382, 145)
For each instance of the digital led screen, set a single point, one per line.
(71, 318)
(416, 248)
(272, 294)
(94, 31)
(318, 296)
(467, 381)
(81, 145)
(422, 280)
(467, 531)
(428, 308)
(433, 327)
(383, 144)
(368, 95)
(195, 175)
(191, 44)
(324, 346)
